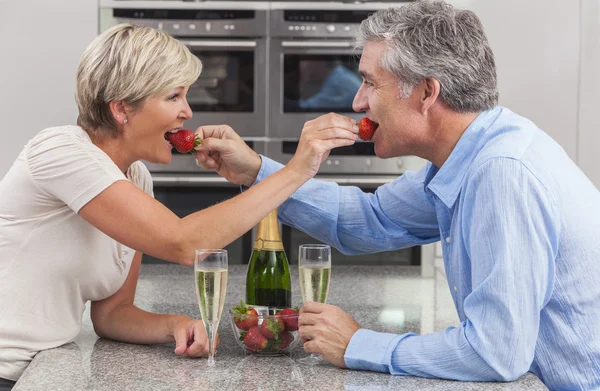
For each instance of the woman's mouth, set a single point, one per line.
(175, 130)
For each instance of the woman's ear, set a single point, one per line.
(119, 111)
(431, 92)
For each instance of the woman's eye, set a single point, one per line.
(174, 96)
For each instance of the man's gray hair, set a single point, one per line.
(433, 39)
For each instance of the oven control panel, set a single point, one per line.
(317, 23)
(195, 22)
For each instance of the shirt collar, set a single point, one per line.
(447, 181)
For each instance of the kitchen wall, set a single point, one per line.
(538, 46)
(40, 45)
(588, 141)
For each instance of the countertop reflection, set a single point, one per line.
(383, 298)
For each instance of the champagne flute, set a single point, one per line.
(210, 270)
(314, 269)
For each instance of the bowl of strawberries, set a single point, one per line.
(265, 331)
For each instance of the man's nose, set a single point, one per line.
(360, 101)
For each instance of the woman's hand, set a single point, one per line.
(225, 152)
(319, 136)
(190, 338)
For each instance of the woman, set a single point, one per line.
(76, 207)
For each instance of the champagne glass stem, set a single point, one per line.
(211, 329)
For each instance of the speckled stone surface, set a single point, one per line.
(384, 298)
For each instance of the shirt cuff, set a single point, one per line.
(371, 351)
(267, 167)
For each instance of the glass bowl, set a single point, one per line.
(267, 334)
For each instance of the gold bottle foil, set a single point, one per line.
(268, 236)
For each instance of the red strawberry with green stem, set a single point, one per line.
(254, 340)
(244, 316)
(366, 128)
(272, 327)
(290, 318)
(183, 140)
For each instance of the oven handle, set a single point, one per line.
(173, 180)
(316, 44)
(229, 44)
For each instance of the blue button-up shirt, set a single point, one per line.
(520, 230)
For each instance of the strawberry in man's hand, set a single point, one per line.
(245, 317)
(271, 328)
(184, 140)
(366, 128)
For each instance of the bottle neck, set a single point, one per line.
(268, 236)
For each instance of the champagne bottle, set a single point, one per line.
(268, 280)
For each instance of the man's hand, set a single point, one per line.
(225, 152)
(190, 338)
(326, 330)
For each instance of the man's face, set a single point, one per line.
(379, 98)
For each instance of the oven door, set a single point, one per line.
(232, 86)
(310, 78)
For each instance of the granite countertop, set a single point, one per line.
(384, 298)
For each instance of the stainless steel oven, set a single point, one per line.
(313, 63)
(231, 40)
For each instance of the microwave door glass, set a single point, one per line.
(320, 83)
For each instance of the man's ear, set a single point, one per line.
(118, 110)
(430, 93)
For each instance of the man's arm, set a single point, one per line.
(512, 245)
(398, 215)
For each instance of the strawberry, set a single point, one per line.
(290, 318)
(254, 340)
(366, 128)
(272, 327)
(183, 140)
(286, 339)
(244, 316)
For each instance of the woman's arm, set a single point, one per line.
(135, 219)
(117, 318)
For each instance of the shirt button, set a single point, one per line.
(448, 240)
(455, 288)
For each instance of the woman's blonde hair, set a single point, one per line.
(129, 63)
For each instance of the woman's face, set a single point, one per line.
(146, 127)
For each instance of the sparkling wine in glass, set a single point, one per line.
(314, 269)
(210, 270)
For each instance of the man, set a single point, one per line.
(518, 221)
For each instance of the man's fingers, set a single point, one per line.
(211, 144)
(311, 347)
(216, 131)
(204, 160)
(313, 307)
(306, 332)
